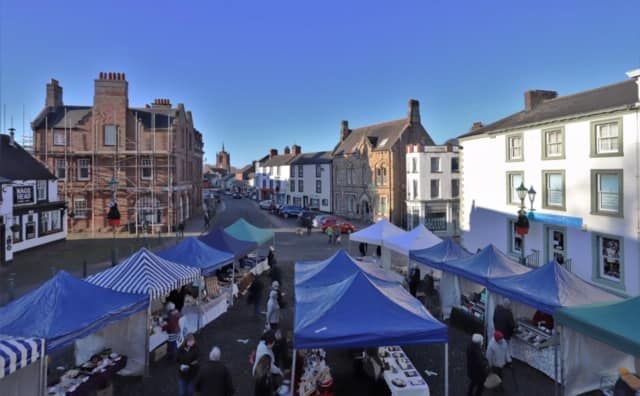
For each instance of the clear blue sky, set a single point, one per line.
(261, 74)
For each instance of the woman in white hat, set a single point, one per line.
(273, 310)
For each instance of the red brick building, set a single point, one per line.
(153, 152)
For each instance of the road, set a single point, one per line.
(240, 324)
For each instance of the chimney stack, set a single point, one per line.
(12, 137)
(635, 74)
(273, 153)
(533, 98)
(414, 112)
(344, 130)
(161, 103)
(287, 150)
(54, 94)
(296, 150)
(476, 125)
(112, 89)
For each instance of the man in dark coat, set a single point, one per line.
(414, 281)
(477, 366)
(188, 366)
(503, 319)
(215, 379)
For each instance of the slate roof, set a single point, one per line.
(321, 157)
(54, 117)
(278, 160)
(608, 97)
(18, 164)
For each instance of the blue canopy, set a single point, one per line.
(246, 231)
(336, 268)
(435, 256)
(221, 240)
(66, 308)
(487, 264)
(145, 273)
(193, 253)
(361, 312)
(548, 288)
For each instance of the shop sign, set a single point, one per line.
(23, 195)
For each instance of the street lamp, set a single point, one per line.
(522, 223)
(532, 197)
(113, 217)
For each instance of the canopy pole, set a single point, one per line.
(43, 368)
(555, 364)
(446, 369)
(561, 366)
(146, 340)
(293, 372)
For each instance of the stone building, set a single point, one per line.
(154, 153)
(369, 167)
(223, 160)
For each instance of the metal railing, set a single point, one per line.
(532, 260)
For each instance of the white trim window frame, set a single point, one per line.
(146, 169)
(80, 208)
(84, 169)
(61, 168)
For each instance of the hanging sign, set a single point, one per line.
(23, 195)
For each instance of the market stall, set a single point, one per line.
(245, 231)
(335, 316)
(375, 235)
(211, 302)
(221, 240)
(70, 312)
(150, 275)
(336, 268)
(431, 259)
(608, 331)
(401, 244)
(543, 289)
(19, 373)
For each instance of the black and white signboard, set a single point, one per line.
(23, 195)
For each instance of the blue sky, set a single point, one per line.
(261, 74)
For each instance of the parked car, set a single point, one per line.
(237, 195)
(266, 204)
(344, 226)
(317, 221)
(290, 211)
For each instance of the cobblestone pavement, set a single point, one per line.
(239, 323)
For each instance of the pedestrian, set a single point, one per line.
(255, 295)
(206, 220)
(181, 230)
(414, 280)
(271, 256)
(273, 311)
(504, 321)
(172, 328)
(275, 286)
(265, 347)
(280, 349)
(263, 380)
(498, 353)
(188, 369)
(309, 226)
(379, 251)
(330, 234)
(362, 249)
(477, 366)
(338, 234)
(215, 379)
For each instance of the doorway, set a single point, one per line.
(556, 245)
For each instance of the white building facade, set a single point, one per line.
(31, 213)
(272, 174)
(433, 188)
(581, 154)
(310, 181)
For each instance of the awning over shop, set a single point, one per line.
(418, 238)
(145, 273)
(548, 288)
(65, 309)
(193, 253)
(246, 231)
(16, 353)
(563, 221)
(221, 240)
(376, 233)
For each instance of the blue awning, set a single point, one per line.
(16, 353)
(562, 221)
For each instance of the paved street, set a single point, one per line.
(239, 323)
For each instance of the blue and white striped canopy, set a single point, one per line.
(145, 273)
(16, 353)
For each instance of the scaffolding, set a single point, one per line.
(126, 165)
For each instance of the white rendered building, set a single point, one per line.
(433, 187)
(581, 154)
(272, 174)
(310, 181)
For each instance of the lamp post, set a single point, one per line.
(114, 218)
(522, 223)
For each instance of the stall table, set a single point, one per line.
(87, 382)
(400, 370)
(535, 346)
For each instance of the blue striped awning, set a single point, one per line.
(146, 273)
(16, 353)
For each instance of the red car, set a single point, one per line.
(344, 226)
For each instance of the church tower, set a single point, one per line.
(223, 160)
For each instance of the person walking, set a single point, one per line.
(265, 347)
(188, 366)
(498, 355)
(273, 311)
(215, 379)
(172, 328)
(330, 234)
(477, 366)
(309, 225)
(263, 381)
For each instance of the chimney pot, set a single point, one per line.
(344, 130)
(414, 111)
(477, 125)
(12, 139)
(535, 97)
(54, 94)
(273, 153)
(287, 150)
(296, 150)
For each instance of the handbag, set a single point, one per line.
(493, 381)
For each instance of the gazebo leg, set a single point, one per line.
(446, 369)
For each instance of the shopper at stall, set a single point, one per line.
(373, 368)
(379, 251)
(215, 379)
(414, 280)
(265, 347)
(498, 353)
(273, 310)
(280, 349)
(503, 320)
(477, 366)
(263, 380)
(188, 366)
(172, 328)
